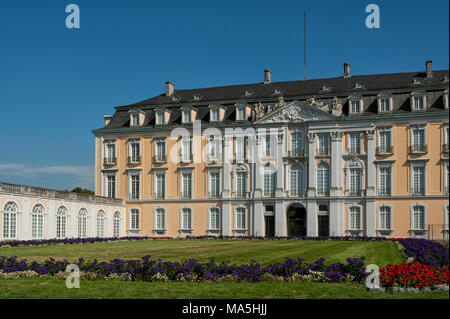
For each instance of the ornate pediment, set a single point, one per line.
(296, 111)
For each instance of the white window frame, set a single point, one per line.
(186, 158)
(186, 115)
(131, 173)
(446, 135)
(214, 141)
(301, 148)
(417, 94)
(155, 219)
(240, 206)
(83, 223)
(418, 163)
(66, 222)
(381, 97)
(413, 128)
(361, 217)
(210, 172)
(182, 225)
(445, 162)
(139, 219)
(301, 191)
(412, 221)
(36, 214)
(349, 142)
(326, 191)
(355, 164)
(245, 170)
(380, 166)
(117, 224)
(323, 149)
(241, 113)
(107, 189)
(101, 224)
(156, 172)
(210, 220)
(269, 181)
(355, 98)
(391, 212)
(160, 117)
(108, 159)
(163, 156)
(391, 133)
(133, 159)
(9, 213)
(186, 170)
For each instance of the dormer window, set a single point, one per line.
(241, 113)
(384, 103)
(418, 102)
(187, 116)
(214, 114)
(355, 104)
(160, 118)
(445, 79)
(417, 81)
(197, 97)
(359, 85)
(326, 88)
(175, 98)
(249, 93)
(276, 91)
(134, 119)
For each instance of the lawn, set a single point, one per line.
(236, 251)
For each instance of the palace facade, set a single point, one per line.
(352, 155)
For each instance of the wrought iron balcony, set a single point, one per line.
(356, 192)
(418, 192)
(110, 161)
(134, 159)
(418, 149)
(241, 194)
(160, 158)
(382, 150)
(296, 153)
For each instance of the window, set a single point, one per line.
(385, 104)
(135, 219)
(160, 150)
(355, 181)
(187, 116)
(355, 106)
(322, 144)
(10, 220)
(323, 179)
(135, 187)
(418, 180)
(268, 146)
(241, 113)
(384, 178)
(418, 140)
(110, 185)
(214, 185)
(214, 114)
(186, 185)
(296, 180)
(418, 102)
(418, 218)
(134, 119)
(445, 147)
(385, 218)
(37, 222)
(82, 223)
(241, 147)
(355, 218)
(384, 142)
(446, 177)
(61, 222)
(197, 97)
(110, 153)
(214, 148)
(214, 218)
(270, 180)
(101, 224)
(326, 88)
(116, 224)
(249, 93)
(160, 185)
(354, 146)
(186, 149)
(186, 218)
(417, 81)
(241, 222)
(241, 184)
(296, 144)
(359, 85)
(160, 219)
(160, 118)
(134, 151)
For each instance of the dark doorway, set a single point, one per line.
(296, 220)
(324, 225)
(270, 226)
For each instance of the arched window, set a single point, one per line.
(160, 219)
(385, 219)
(37, 222)
(135, 219)
(116, 224)
(323, 179)
(355, 218)
(296, 180)
(214, 218)
(10, 220)
(82, 223)
(186, 218)
(61, 222)
(241, 218)
(418, 218)
(101, 224)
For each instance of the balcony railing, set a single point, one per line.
(297, 193)
(269, 194)
(445, 148)
(323, 192)
(356, 192)
(186, 196)
(160, 158)
(110, 161)
(322, 152)
(241, 194)
(384, 192)
(296, 153)
(187, 158)
(134, 159)
(159, 196)
(214, 195)
(213, 157)
(354, 151)
(384, 150)
(418, 192)
(418, 149)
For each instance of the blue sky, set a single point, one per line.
(56, 84)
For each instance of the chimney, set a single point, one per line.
(169, 88)
(346, 70)
(267, 76)
(107, 119)
(429, 72)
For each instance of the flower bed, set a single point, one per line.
(413, 275)
(425, 251)
(147, 269)
(315, 238)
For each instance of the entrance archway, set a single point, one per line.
(296, 220)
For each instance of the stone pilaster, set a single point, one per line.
(336, 164)
(227, 225)
(280, 219)
(371, 169)
(311, 165)
(280, 171)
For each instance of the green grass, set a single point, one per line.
(237, 251)
(55, 288)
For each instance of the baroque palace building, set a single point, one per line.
(352, 155)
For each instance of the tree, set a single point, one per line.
(82, 191)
